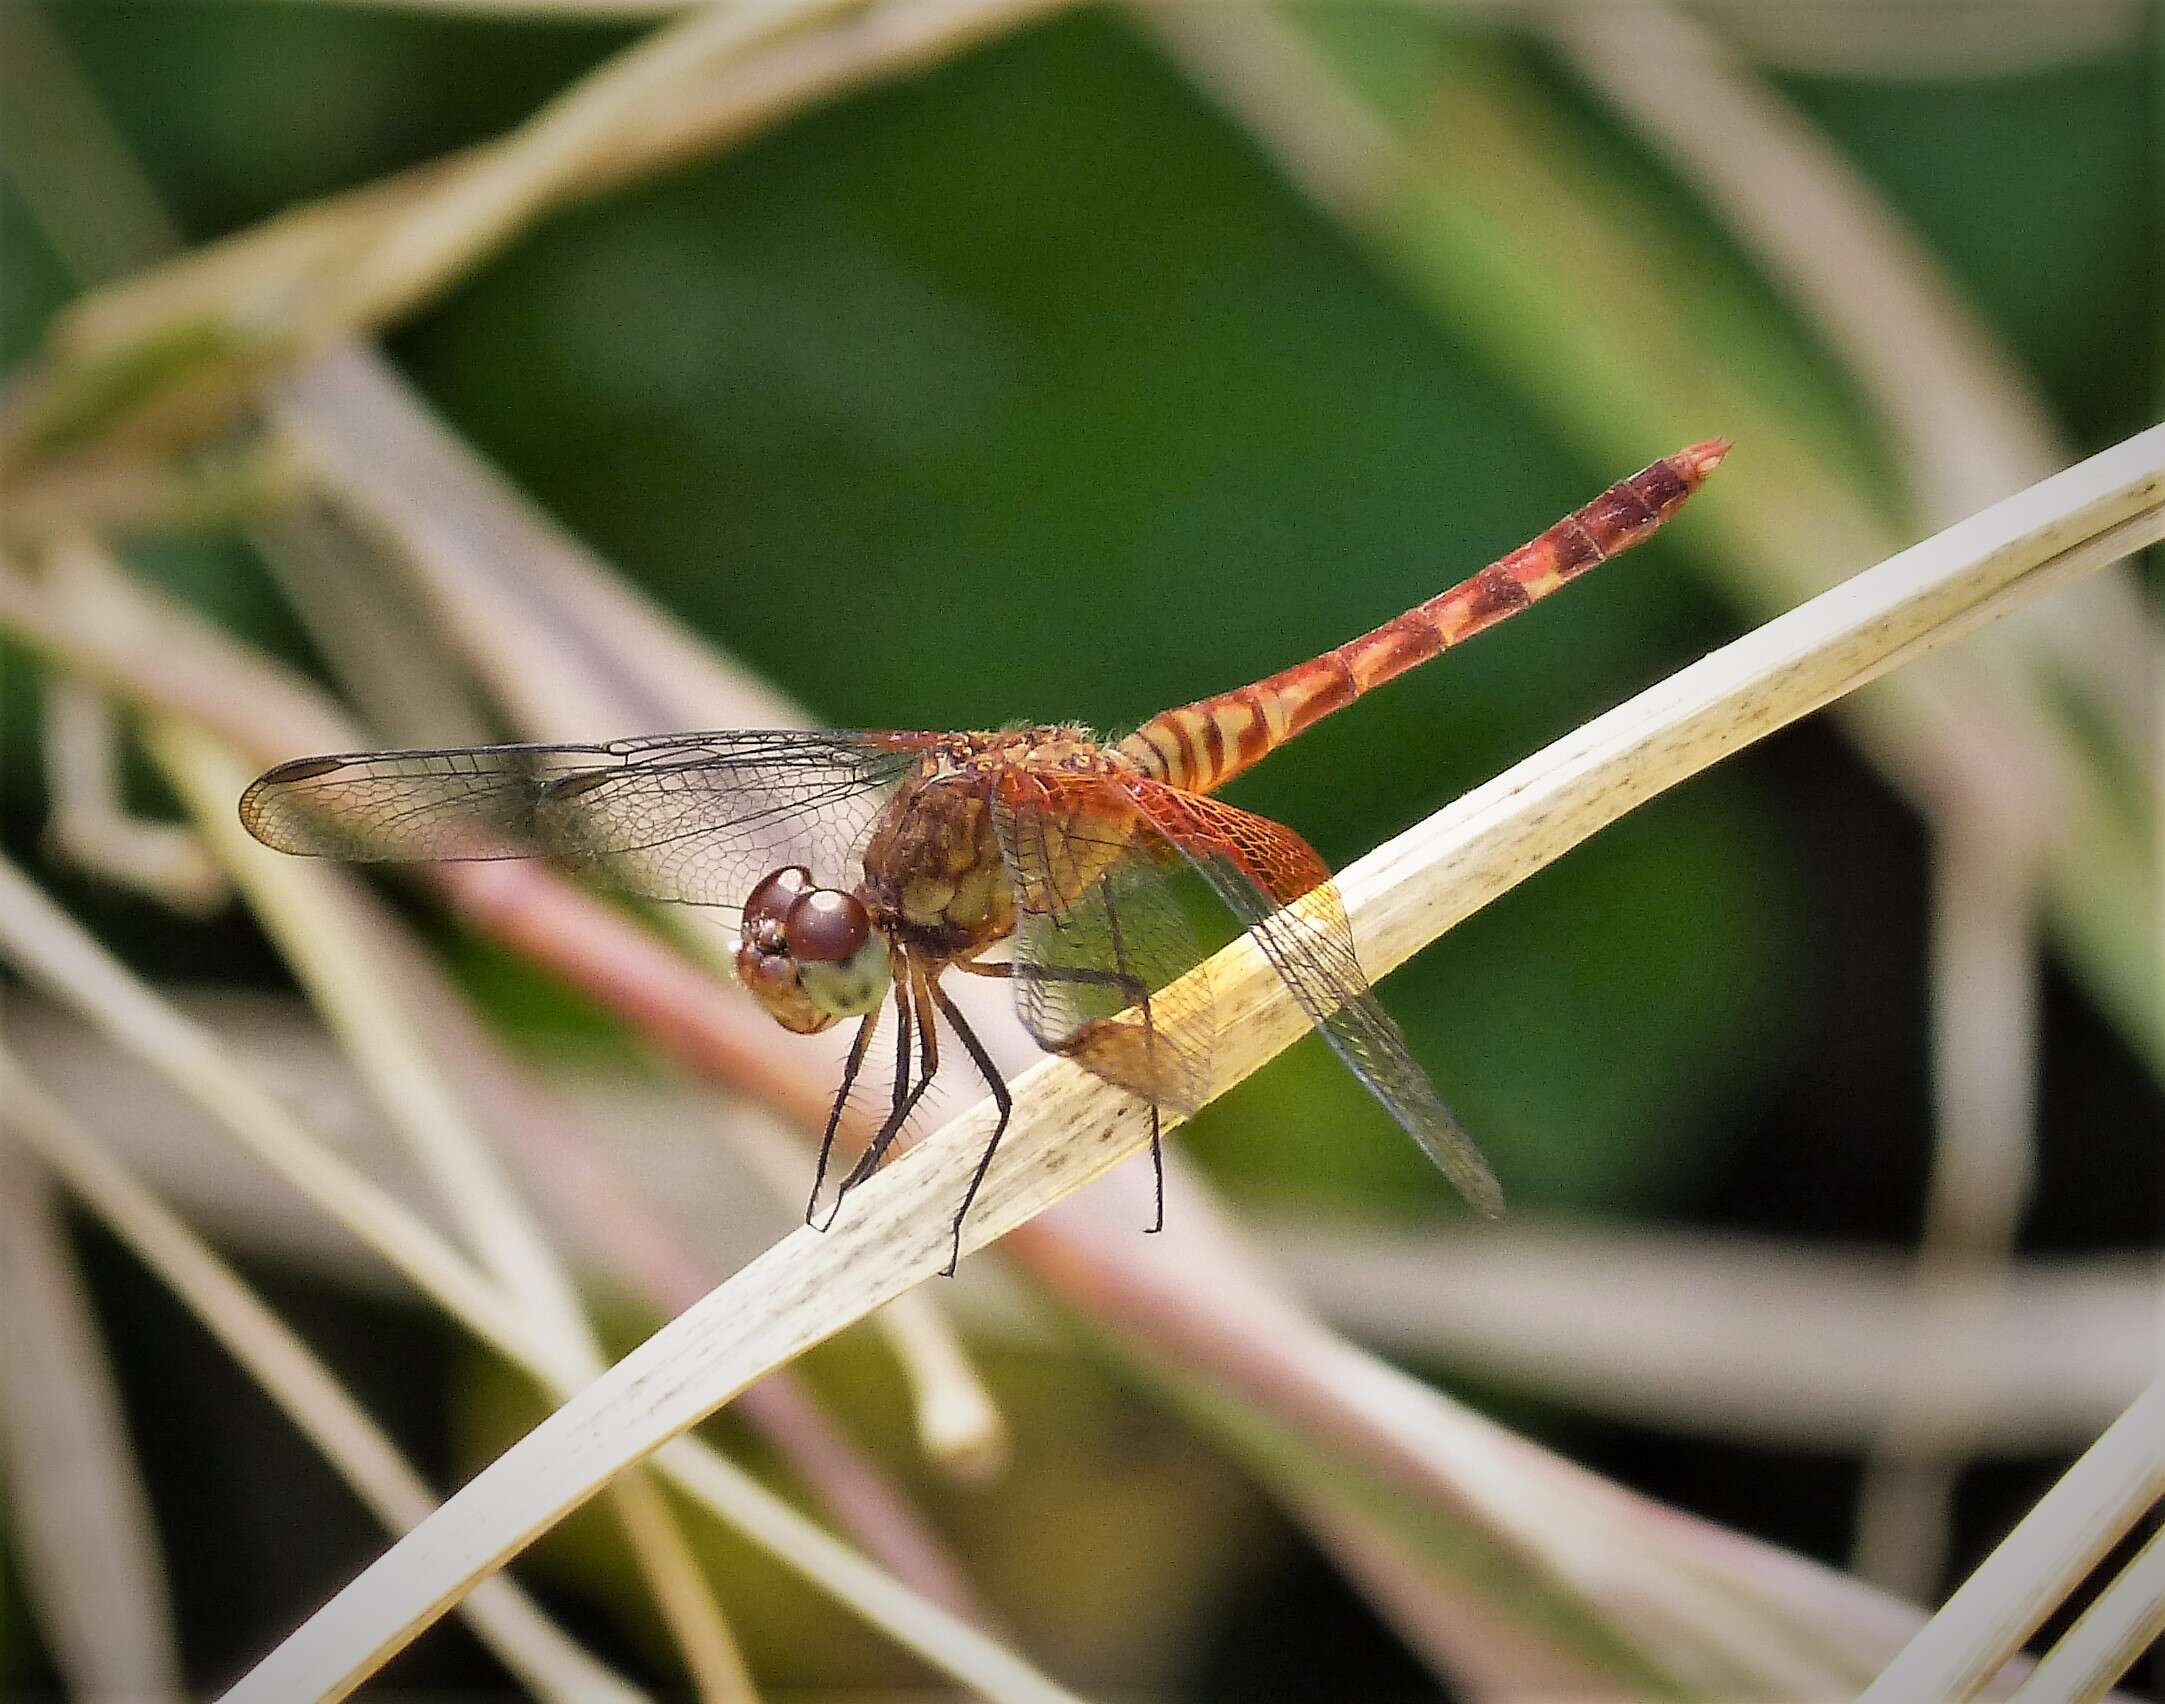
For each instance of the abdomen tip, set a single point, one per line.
(1701, 458)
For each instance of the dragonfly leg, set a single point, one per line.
(1000, 1098)
(1138, 992)
(857, 1051)
(1157, 1169)
(908, 993)
(1150, 1045)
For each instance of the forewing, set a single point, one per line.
(1260, 869)
(697, 818)
(1107, 967)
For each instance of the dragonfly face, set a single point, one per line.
(810, 955)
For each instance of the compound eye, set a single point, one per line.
(847, 987)
(826, 926)
(778, 890)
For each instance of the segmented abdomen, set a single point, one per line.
(1201, 746)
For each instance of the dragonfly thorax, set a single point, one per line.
(936, 875)
(933, 874)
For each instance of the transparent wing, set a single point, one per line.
(1259, 868)
(1107, 969)
(697, 818)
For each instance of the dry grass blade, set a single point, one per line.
(1761, 1339)
(87, 1548)
(2108, 1638)
(1071, 1128)
(958, 1423)
(1986, 1041)
(2117, 1480)
(1942, 589)
(494, 577)
(365, 255)
(1968, 422)
(315, 916)
(1481, 1652)
(90, 825)
(959, 1426)
(152, 653)
(1741, 1337)
(175, 350)
(52, 951)
(532, 1647)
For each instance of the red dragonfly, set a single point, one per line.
(865, 865)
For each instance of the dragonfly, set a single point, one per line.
(864, 866)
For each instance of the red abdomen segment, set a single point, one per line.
(1203, 745)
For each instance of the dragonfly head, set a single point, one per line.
(810, 955)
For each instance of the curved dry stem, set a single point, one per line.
(86, 1543)
(1764, 1340)
(90, 825)
(1722, 1335)
(2117, 1480)
(51, 951)
(1967, 424)
(2109, 1637)
(958, 1423)
(319, 922)
(507, 1621)
(1986, 1043)
(175, 350)
(1070, 1127)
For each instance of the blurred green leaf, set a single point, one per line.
(2039, 194)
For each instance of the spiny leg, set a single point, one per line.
(1150, 1046)
(1000, 1098)
(857, 1052)
(898, 1107)
(1138, 994)
(909, 988)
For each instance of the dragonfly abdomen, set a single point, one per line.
(1201, 746)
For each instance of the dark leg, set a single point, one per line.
(907, 989)
(1157, 1168)
(1000, 1098)
(857, 1051)
(901, 1102)
(1138, 993)
(1150, 1047)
